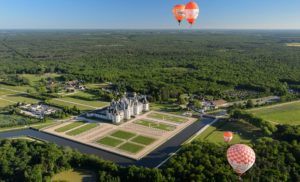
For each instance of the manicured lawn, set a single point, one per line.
(109, 141)
(167, 117)
(82, 129)
(70, 126)
(20, 98)
(157, 125)
(283, 113)
(243, 132)
(123, 134)
(131, 148)
(143, 140)
(75, 176)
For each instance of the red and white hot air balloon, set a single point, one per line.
(241, 158)
(179, 12)
(228, 135)
(191, 12)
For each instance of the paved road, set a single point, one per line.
(151, 160)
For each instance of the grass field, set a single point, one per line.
(74, 176)
(143, 140)
(167, 117)
(157, 125)
(70, 126)
(170, 108)
(95, 103)
(22, 88)
(20, 98)
(131, 147)
(67, 104)
(287, 113)
(293, 44)
(34, 79)
(123, 134)
(83, 95)
(82, 105)
(4, 103)
(6, 92)
(82, 129)
(243, 132)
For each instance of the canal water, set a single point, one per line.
(151, 160)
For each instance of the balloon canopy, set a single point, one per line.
(179, 12)
(241, 157)
(228, 135)
(191, 12)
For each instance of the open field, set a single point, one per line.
(157, 125)
(5, 92)
(82, 105)
(4, 103)
(82, 129)
(34, 79)
(170, 108)
(243, 132)
(20, 98)
(123, 134)
(286, 113)
(293, 44)
(95, 103)
(143, 140)
(22, 88)
(74, 176)
(167, 117)
(131, 147)
(109, 141)
(70, 126)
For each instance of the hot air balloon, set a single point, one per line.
(241, 157)
(228, 136)
(191, 12)
(179, 12)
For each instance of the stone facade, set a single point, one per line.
(122, 109)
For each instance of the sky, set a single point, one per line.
(147, 14)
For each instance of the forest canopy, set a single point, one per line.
(203, 62)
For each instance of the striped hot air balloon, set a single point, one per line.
(228, 135)
(179, 12)
(241, 157)
(191, 12)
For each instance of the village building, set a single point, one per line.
(123, 109)
(37, 110)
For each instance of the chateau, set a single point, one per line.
(122, 109)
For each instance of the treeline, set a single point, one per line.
(200, 161)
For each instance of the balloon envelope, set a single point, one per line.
(179, 12)
(228, 136)
(241, 157)
(191, 12)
